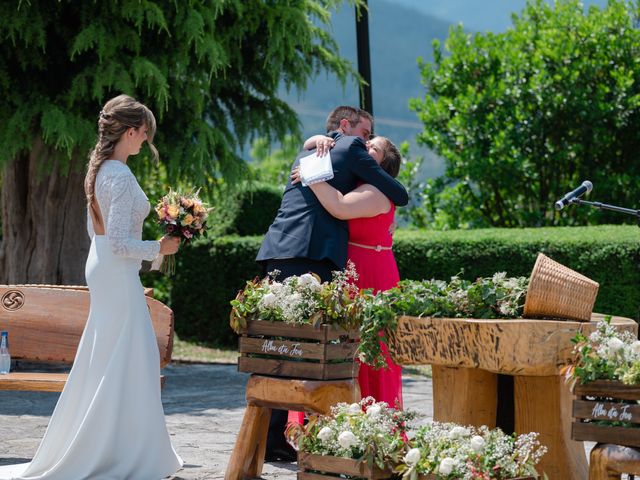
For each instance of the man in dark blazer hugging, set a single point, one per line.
(304, 237)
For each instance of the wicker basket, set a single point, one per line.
(556, 291)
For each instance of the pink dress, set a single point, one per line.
(376, 269)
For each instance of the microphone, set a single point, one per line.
(586, 187)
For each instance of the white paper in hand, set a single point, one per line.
(314, 169)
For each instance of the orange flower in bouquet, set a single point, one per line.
(181, 215)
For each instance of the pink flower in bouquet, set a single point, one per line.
(181, 215)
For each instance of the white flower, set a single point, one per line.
(446, 466)
(269, 300)
(635, 347)
(412, 457)
(373, 410)
(354, 409)
(347, 439)
(614, 345)
(458, 432)
(324, 434)
(276, 287)
(477, 443)
(308, 280)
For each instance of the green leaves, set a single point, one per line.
(210, 71)
(523, 116)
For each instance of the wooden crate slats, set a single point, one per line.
(610, 401)
(610, 411)
(297, 349)
(603, 434)
(337, 466)
(294, 369)
(608, 388)
(324, 333)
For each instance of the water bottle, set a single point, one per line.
(5, 358)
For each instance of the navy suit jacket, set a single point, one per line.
(304, 229)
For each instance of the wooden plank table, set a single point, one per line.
(466, 356)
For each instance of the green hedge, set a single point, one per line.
(211, 272)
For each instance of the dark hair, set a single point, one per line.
(352, 114)
(391, 158)
(116, 117)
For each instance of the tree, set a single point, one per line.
(524, 116)
(210, 70)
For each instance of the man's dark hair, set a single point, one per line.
(352, 114)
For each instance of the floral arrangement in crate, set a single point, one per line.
(497, 296)
(606, 354)
(451, 451)
(372, 432)
(300, 300)
(369, 431)
(305, 300)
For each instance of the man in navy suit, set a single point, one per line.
(304, 237)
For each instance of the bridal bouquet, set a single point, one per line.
(181, 215)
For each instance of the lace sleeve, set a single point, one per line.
(120, 222)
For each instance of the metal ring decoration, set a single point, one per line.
(12, 300)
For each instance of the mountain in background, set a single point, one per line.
(400, 31)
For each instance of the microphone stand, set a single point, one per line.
(606, 206)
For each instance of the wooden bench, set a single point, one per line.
(45, 323)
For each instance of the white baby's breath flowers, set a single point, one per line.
(447, 465)
(324, 434)
(458, 432)
(477, 443)
(276, 288)
(412, 457)
(614, 345)
(635, 347)
(373, 410)
(347, 439)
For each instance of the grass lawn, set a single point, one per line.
(195, 352)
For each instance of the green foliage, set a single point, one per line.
(523, 116)
(211, 272)
(274, 166)
(607, 354)
(210, 70)
(492, 297)
(257, 206)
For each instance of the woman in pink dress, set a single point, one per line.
(370, 216)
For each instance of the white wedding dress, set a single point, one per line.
(109, 422)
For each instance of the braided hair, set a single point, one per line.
(116, 117)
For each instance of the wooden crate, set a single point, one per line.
(610, 401)
(320, 467)
(298, 351)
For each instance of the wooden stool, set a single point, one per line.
(609, 462)
(265, 393)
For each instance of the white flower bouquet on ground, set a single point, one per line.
(450, 451)
(368, 431)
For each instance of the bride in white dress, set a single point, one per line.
(109, 422)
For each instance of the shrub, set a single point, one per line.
(212, 271)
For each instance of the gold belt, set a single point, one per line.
(377, 248)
